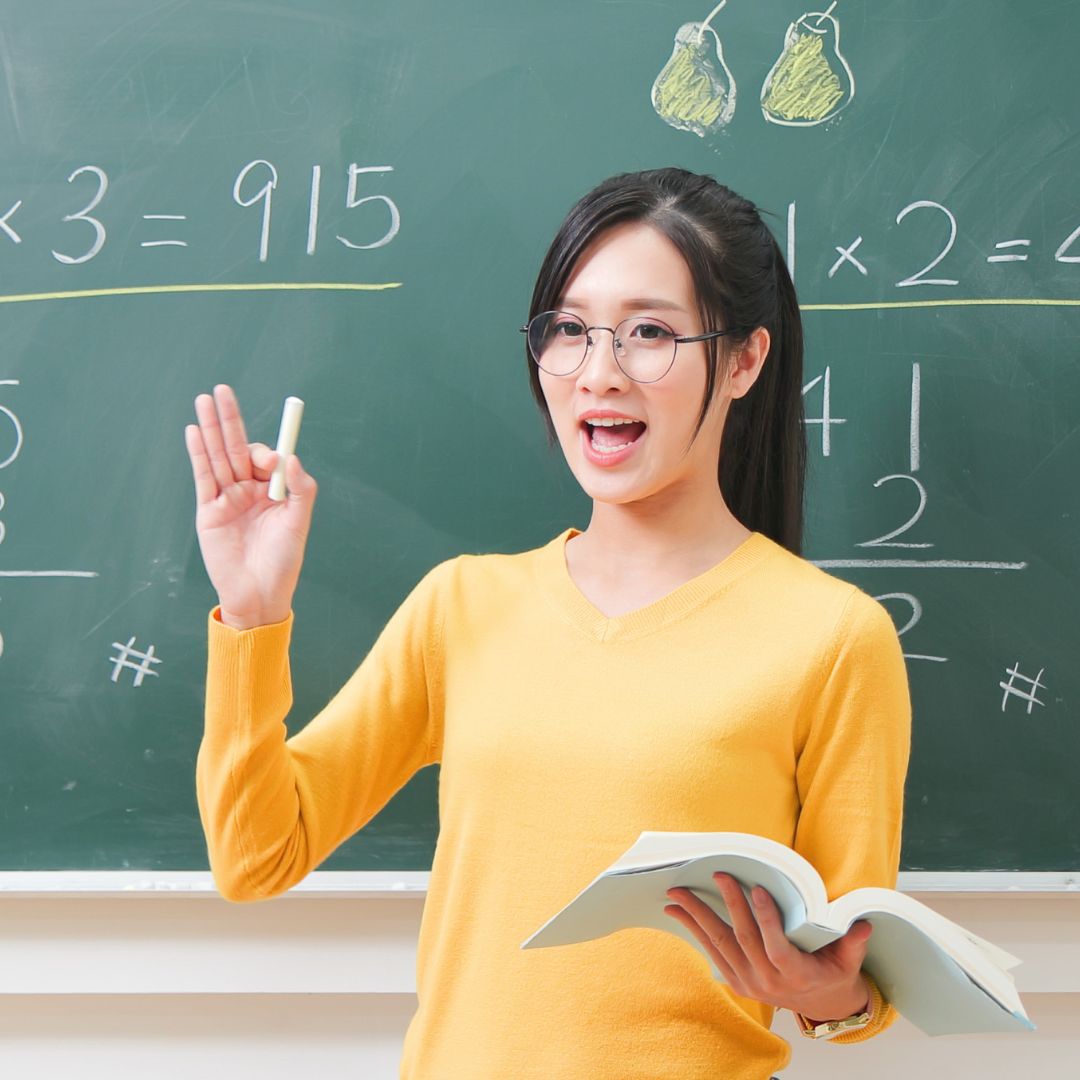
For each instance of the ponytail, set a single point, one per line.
(762, 467)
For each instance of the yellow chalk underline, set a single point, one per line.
(355, 286)
(940, 303)
(142, 290)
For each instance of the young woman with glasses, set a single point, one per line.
(676, 665)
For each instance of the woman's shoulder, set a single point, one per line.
(815, 595)
(471, 572)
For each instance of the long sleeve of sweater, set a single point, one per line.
(274, 807)
(851, 766)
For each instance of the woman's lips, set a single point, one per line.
(606, 459)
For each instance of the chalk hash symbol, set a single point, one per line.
(141, 669)
(1028, 695)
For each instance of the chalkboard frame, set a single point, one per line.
(386, 884)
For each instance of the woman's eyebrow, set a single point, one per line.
(633, 303)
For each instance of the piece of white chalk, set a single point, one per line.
(291, 415)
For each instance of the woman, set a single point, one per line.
(675, 665)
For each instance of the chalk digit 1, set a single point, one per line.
(916, 410)
(265, 193)
(313, 208)
(791, 240)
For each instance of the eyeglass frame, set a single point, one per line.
(677, 340)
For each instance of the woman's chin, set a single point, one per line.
(612, 490)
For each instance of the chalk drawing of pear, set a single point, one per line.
(811, 81)
(695, 90)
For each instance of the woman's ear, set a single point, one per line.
(748, 361)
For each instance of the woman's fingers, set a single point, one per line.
(232, 431)
(206, 488)
(714, 934)
(782, 954)
(758, 961)
(214, 441)
(263, 460)
(740, 943)
(300, 486)
(302, 489)
(681, 915)
(225, 454)
(743, 922)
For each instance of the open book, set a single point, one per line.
(942, 978)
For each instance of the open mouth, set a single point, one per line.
(611, 436)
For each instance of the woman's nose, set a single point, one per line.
(600, 368)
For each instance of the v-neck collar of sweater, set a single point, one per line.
(557, 584)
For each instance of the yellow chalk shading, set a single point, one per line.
(262, 286)
(804, 86)
(686, 94)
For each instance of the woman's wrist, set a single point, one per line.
(250, 621)
(839, 1005)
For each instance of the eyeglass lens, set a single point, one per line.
(644, 347)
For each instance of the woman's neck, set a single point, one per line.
(677, 538)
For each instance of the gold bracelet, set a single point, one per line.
(856, 1022)
(831, 1028)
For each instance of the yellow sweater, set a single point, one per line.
(763, 696)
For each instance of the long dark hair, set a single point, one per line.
(741, 281)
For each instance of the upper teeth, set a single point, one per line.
(610, 421)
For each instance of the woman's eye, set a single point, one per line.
(568, 329)
(646, 331)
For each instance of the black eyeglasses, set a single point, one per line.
(644, 347)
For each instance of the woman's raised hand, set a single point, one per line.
(252, 546)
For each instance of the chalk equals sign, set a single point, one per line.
(164, 243)
(1009, 258)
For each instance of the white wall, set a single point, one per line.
(173, 982)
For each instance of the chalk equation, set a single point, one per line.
(12, 454)
(253, 188)
(819, 413)
(851, 259)
(11, 445)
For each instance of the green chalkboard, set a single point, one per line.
(167, 170)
